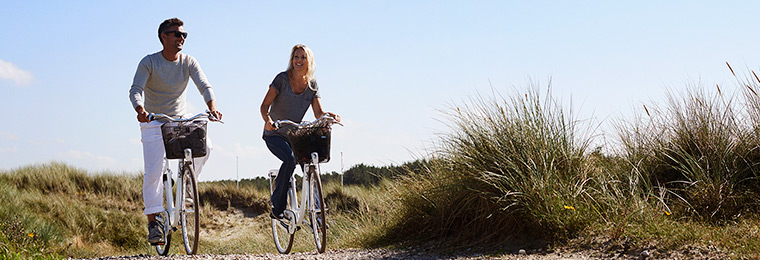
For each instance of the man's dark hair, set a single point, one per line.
(166, 24)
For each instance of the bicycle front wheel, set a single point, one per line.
(318, 211)
(283, 239)
(163, 217)
(190, 212)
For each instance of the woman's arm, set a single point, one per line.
(268, 99)
(316, 106)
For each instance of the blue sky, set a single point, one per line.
(387, 67)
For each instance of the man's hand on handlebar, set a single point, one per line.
(216, 114)
(142, 115)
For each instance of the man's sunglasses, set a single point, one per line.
(178, 34)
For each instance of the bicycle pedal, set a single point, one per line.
(158, 244)
(284, 224)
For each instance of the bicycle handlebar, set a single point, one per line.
(206, 114)
(326, 117)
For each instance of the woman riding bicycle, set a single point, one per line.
(288, 98)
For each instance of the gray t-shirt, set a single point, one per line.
(163, 84)
(289, 105)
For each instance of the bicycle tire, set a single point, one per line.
(190, 214)
(318, 213)
(163, 220)
(280, 232)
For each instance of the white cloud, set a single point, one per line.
(10, 72)
(90, 157)
(8, 136)
(8, 149)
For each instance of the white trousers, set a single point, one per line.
(153, 156)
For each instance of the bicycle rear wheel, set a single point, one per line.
(190, 213)
(318, 211)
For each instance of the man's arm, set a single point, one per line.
(137, 90)
(201, 83)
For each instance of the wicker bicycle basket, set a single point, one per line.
(305, 141)
(179, 136)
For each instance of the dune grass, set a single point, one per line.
(698, 154)
(519, 172)
(55, 211)
(66, 211)
(515, 171)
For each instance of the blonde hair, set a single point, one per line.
(309, 59)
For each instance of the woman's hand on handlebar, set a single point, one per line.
(334, 116)
(269, 126)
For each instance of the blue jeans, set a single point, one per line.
(281, 149)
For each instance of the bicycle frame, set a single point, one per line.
(298, 212)
(175, 203)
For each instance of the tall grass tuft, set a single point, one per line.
(512, 169)
(65, 210)
(696, 154)
(56, 177)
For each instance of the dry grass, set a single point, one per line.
(54, 211)
(518, 172)
(513, 172)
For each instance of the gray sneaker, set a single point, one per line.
(155, 233)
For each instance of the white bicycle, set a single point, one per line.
(184, 139)
(310, 142)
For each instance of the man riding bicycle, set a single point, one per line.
(159, 86)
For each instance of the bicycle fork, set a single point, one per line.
(168, 195)
(309, 204)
